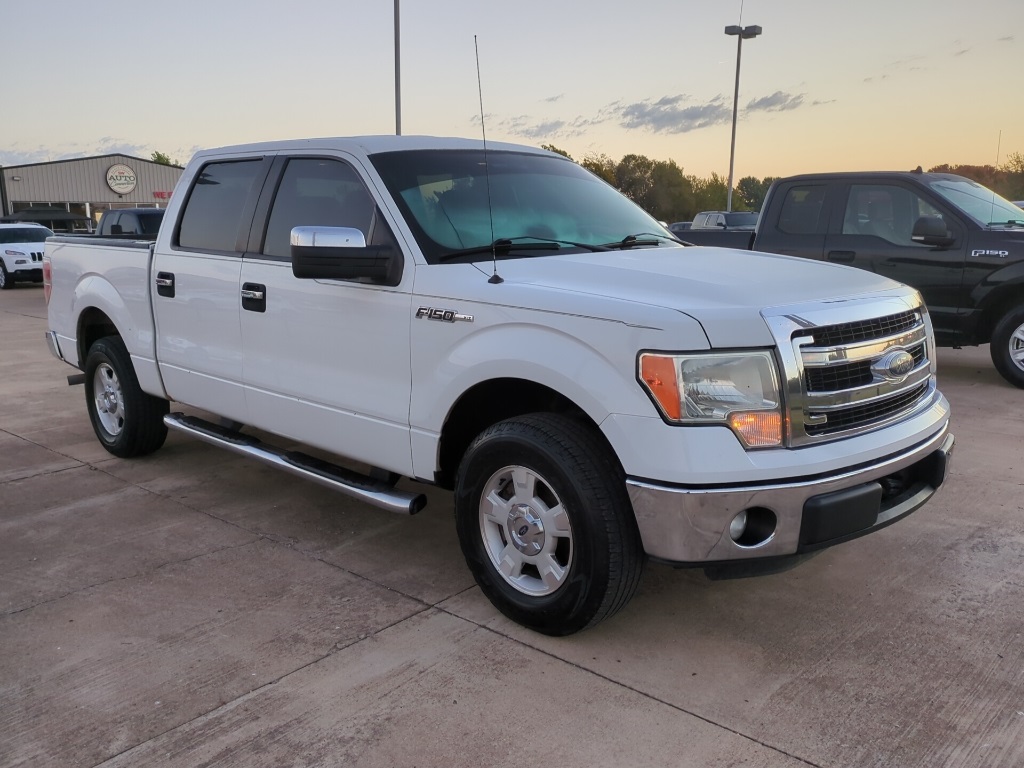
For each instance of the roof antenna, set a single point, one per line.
(495, 278)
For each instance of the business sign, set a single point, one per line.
(121, 179)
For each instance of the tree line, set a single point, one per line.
(662, 189)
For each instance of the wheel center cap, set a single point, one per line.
(525, 529)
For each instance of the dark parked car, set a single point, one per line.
(742, 220)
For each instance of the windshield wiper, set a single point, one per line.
(632, 241)
(499, 247)
(504, 245)
(1007, 223)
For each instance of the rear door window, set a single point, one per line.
(802, 210)
(212, 218)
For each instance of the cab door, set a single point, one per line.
(875, 233)
(326, 362)
(196, 300)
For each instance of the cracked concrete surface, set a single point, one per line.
(194, 608)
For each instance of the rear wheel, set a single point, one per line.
(545, 523)
(1007, 347)
(127, 421)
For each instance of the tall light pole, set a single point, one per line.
(398, 73)
(742, 33)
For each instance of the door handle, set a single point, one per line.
(254, 297)
(165, 284)
(843, 256)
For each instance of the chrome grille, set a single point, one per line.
(863, 330)
(851, 375)
(846, 370)
(869, 414)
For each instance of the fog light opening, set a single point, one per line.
(753, 527)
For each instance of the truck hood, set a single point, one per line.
(724, 290)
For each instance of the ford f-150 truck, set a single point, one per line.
(957, 242)
(495, 320)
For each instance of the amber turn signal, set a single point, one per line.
(659, 374)
(757, 429)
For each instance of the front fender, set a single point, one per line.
(589, 361)
(1001, 277)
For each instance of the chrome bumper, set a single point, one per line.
(690, 526)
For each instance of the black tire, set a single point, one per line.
(127, 421)
(6, 281)
(1007, 347)
(565, 572)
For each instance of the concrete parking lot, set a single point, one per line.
(193, 608)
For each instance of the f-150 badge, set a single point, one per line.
(445, 315)
(985, 252)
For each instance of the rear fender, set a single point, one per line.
(94, 294)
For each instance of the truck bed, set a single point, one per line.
(115, 275)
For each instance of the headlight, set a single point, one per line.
(15, 253)
(737, 389)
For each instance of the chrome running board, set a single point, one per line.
(337, 478)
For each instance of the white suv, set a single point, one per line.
(21, 252)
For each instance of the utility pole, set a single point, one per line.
(398, 72)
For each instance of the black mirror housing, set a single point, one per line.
(340, 253)
(931, 230)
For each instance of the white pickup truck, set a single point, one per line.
(497, 321)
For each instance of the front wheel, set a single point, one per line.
(545, 523)
(127, 421)
(1007, 347)
(5, 277)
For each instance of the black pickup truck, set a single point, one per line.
(958, 243)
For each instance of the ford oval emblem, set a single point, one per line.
(894, 365)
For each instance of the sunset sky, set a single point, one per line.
(873, 84)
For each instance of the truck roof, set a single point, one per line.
(370, 145)
(873, 175)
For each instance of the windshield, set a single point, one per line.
(454, 202)
(23, 234)
(980, 203)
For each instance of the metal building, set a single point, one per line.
(71, 195)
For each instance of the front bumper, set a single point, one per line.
(690, 526)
